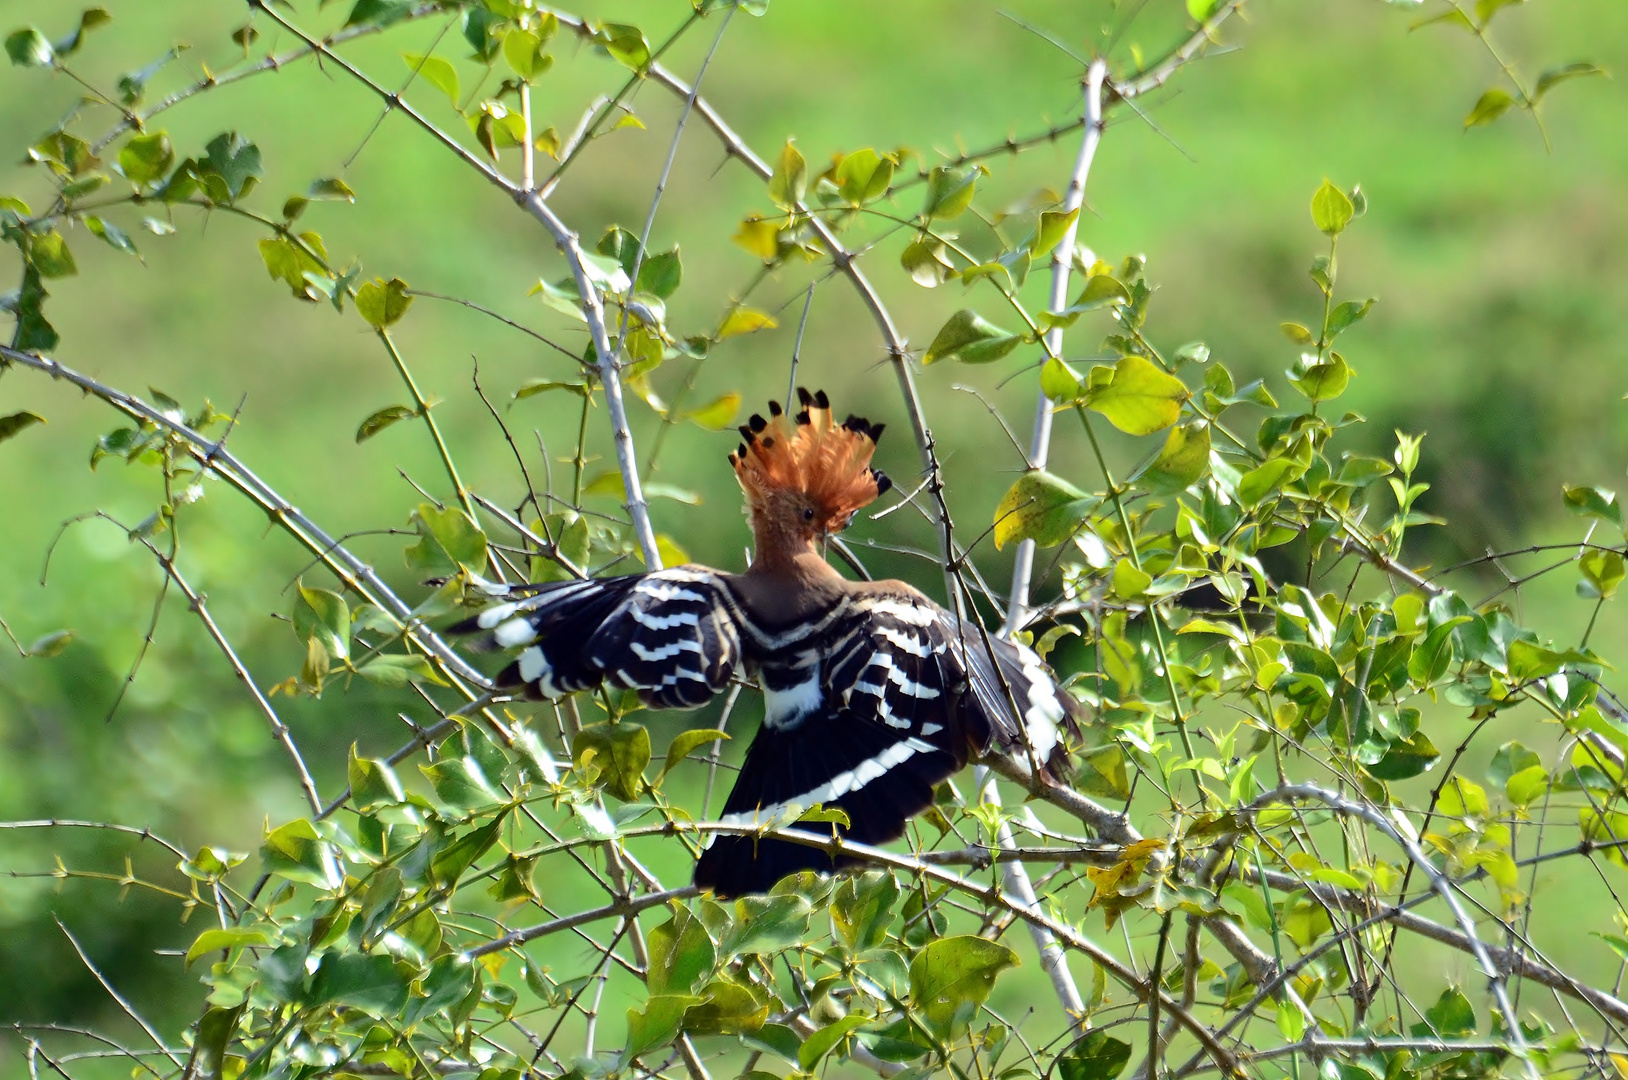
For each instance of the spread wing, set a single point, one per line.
(905, 694)
(670, 634)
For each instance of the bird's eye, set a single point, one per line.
(808, 513)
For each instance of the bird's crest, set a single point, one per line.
(828, 463)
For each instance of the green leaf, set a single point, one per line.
(449, 540)
(1602, 572)
(862, 909)
(1183, 460)
(1041, 507)
(1461, 798)
(1407, 759)
(1129, 581)
(323, 615)
(1529, 661)
(767, 924)
(29, 48)
(1050, 229)
(290, 263)
(1266, 479)
(382, 303)
(951, 977)
(728, 1009)
(448, 982)
(1432, 656)
(1059, 382)
(1527, 786)
(374, 984)
(460, 783)
(1594, 502)
(116, 237)
(48, 253)
(396, 670)
(968, 338)
(864, 176)
(1099, 1056)
(1139, 399)
(89, 19)
(1322, 381)
(450, 863)
(657, 1024)
(215, 1030)
(686, 743)
(235, 160)
(625, 44)
(717, 414)
(611, 483)
(1451, 1017)
(1509, 759)
(1344, 315)
(229, 938)
(789, 182)
(11, 425)
(745, 320)
(1297, 333)
(1331, 210)
(620, 751)
(777, 1039)
(146, 158)
(372, 783)
(521, 50)
(823, 1041)
(49, 645)
(1489, 107)
(378, 12)
(296, 852)
(330, 189)
(382, 419)
(682, 955)
(1101, 772)
(1555, 76)
(950, 190)
(661, 274)
(533, 387)
(438, 73)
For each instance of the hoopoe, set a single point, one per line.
(873, 694)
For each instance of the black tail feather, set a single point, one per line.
(786, 766)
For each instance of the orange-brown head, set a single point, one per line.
(805, 476)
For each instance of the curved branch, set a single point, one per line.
(216, 459)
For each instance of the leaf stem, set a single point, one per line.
(422, 407)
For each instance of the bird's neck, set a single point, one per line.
(788, 555)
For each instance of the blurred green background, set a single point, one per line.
(1501, 271)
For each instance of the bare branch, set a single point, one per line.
(1062, 261)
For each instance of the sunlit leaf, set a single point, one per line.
(1041, 507)
(967, 337)
(1489, 107)
(1140, 398)
(745, 320)
(382, 303)
(1331, 209)
(951, 977)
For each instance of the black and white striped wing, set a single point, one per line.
(860, 718)
(917, 669)
(670, 634)
(903, 696)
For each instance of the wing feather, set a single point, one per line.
(670, 634)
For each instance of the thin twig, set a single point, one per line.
(129, 1010)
